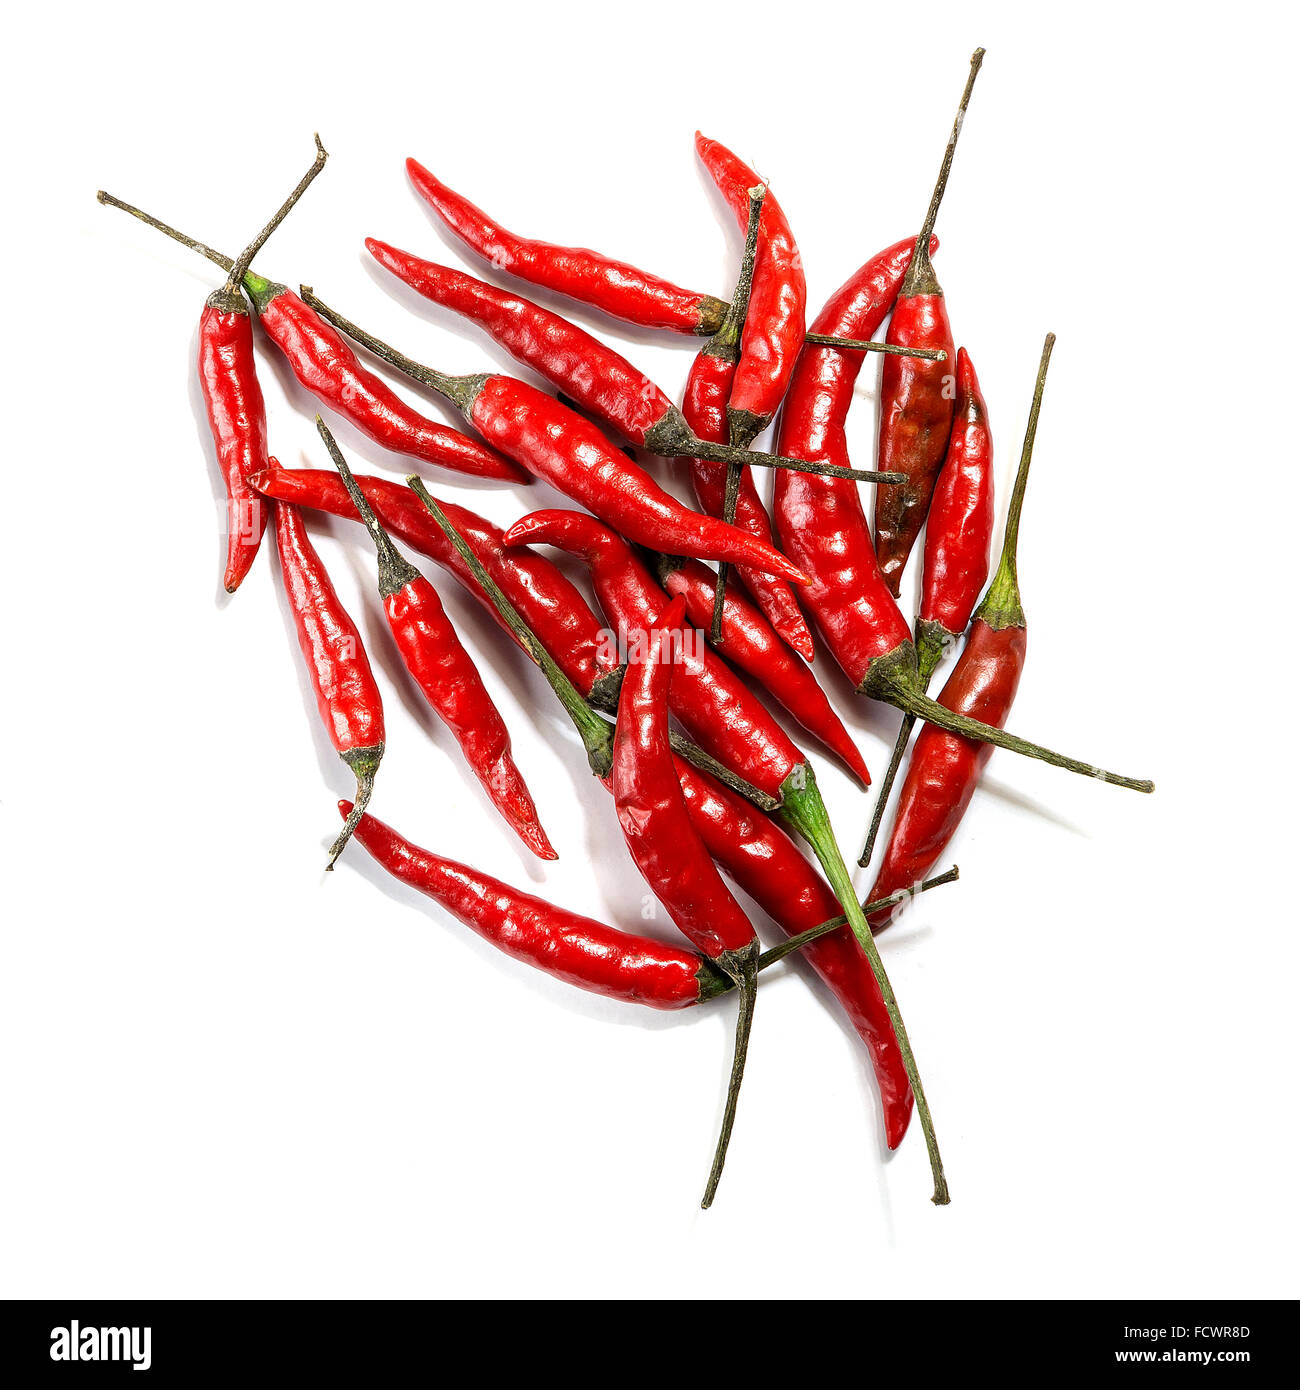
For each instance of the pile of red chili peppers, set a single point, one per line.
(669, 680)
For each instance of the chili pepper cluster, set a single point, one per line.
(705, 781)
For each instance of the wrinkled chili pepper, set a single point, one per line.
(749, 642)
(233, 399)
(561, 447)
(956, 557)
(765, 864)
(670, 855)
(821, 524)
(324, 363)
(346, 693)
(616, 288)
(551, 605)
(432, 652)
(916, 399)
(945, 768)
(774, 325)
(599, 380)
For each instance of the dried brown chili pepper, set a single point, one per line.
(433, 653)
(916, 396)
(347, 695)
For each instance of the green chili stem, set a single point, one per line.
(742, 968)
(225, 262)
(245, 258)
(870, 345)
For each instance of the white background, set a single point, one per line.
(225, 1073)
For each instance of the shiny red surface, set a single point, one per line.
(571, 454)
(347, 694)
(445, 672)
(572, 948)
(708, 388)
(651, 811)
(714, 706)
(820, 521)
(959, 528)
(322, 360)
(778, 302)
(916, 414)
(615, 287)
(237, 419)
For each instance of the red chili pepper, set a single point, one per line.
(561, 447)
(945, 768)
(749, 643)
(821, 525)
(916, 397)
(550, 604)
(233, 397)
(664, 846)
(615, 287)
(346, 693)
(774, 326)
(432, 652)
(325, 364)
(956, 563)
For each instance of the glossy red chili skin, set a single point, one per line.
(959, 528)
(776, 320)
(916, 414)
(551, 606)
(432, 652)
(820, 521)
(945, 768)
(603, 382)
(715, 708)
(575, 949)
(237, 419)
(615, 287)
(571, 454)
(764, 863)
(347, 694)
(749, 642)
(324, 363)
(651, 811)
(704, 407)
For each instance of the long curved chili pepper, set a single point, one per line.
(616, 288)
(590, 373)
(822, 527)
(432, 652)
(549, 602)
(233, 399)
(766, 866)
(347, 695)
(956, 557)
(324, 363)
(561, 447)
(945, 768)
(774, 325)
(916, 399)
(670, 855)
(749, 642)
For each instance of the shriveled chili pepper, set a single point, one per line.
(551, 605)
(561, 447)
(233, 399)
(601, 381)
(774, 325)
(325, 364)
(432, 652)
(670, 855)
(749, 642)
(821, 524)
(615, 287)
(766, 866)
(956, 557)
(347, 695)
(916, 399)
